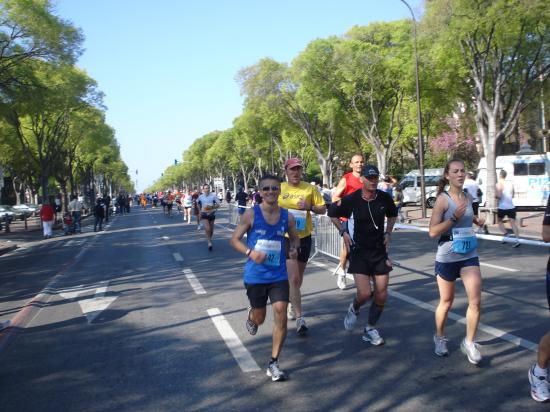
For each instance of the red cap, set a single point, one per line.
(293, 162)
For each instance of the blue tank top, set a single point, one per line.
(270, 240)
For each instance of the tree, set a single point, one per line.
(496, 51)
(30, 31)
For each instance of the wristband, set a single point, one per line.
(248, 252)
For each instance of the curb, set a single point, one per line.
(7, 249)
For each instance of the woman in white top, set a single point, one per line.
(504, 194)
(208, 203)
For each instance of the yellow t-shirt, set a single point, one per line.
(289, 198)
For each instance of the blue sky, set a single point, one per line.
(168, 67)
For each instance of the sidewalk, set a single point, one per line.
(529, 222)
(19, 236)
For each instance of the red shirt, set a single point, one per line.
(353, 183)
(47, 213)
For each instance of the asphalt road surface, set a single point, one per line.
(142, 317)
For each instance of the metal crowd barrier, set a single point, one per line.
(234, 213)
(327, 240)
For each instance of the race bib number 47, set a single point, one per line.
(272, 250)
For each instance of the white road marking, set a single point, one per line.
(91, 307)
(177, 256)
(498, 267)
(238, 350)
(513, 339)
(194, 282)
(165, 238)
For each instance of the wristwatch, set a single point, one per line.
(453, 219)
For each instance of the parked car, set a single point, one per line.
(6, 210)
(25, 210)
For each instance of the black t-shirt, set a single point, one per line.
(367, 224)
(241, 198)
(546, 222)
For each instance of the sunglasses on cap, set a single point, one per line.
(267, 188)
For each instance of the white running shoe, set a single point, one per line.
(441, 345)
(275, 373)
(341, 281)
(301, 327)
(351, 318)
(371, 335)
(470, 349)
(290, 312)
(539, 386)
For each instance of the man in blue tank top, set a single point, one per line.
(265, 273)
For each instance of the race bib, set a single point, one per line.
(272, 250)
(300, 217)
(464, 240)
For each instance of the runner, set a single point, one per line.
(169, 201)
(265, 273)
(538, 372)
(195, 206)
(348, 184)
(504, 194)
(300, 198)
(367, 244)
(451, 220)
(241, 197)
(187, 205)
(208, 203)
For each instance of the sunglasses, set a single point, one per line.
(267, 188)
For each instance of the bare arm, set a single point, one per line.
(339, 190)
(437, 224)
(293, 238)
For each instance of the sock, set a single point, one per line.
(540, 372)
(273, 360)
(375, 312)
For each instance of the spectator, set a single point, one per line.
(47, 216)
(99, 213)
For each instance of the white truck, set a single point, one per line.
(411, 186)
(530, 175)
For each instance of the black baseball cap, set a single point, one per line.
(370, 170)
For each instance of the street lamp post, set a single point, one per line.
(419, 121)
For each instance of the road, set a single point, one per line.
(142, 317)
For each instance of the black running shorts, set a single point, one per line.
(304, 251)
(259, 292)
(369, 261)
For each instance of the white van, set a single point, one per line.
(529, 174)
(411, 186)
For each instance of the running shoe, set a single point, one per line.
(276, 373)
(341, 281)
(301, 326)
(539, 386)
(351, 318)
(516, 243)
(470, 349)
(290, 312)
(371, 335)
(441, 345)
(251, 327)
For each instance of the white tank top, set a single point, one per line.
(505, 202)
